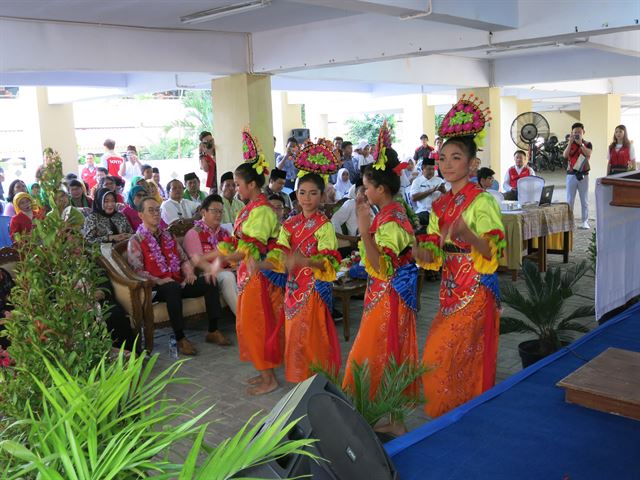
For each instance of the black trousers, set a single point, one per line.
(172, 293)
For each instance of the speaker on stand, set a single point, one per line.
(345, 440)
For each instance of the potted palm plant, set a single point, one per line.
(542, 310)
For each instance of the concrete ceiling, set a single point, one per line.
(376, 46)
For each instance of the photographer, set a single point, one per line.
(577, 153)
(207, 159)
(286, 162)
(131, 167)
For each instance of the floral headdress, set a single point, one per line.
(317, 158)
(252, 153)
(380, 152)
(466, 117)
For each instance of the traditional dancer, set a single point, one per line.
(259, 315)
(307, 249)
(388, 327)
(466, 236)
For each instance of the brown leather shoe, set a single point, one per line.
(185, 347)
(218, 338)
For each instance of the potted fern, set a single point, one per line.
(542, 310)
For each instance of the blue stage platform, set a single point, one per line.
(523, 429)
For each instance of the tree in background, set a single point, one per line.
(368, 128)
(439, 118)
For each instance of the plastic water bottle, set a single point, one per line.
(173, 347)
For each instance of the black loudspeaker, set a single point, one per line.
(345, 440)
(300, 134)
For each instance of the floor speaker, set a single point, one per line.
(345, 440)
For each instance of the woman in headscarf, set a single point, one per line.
(137, 181)
(343, 184)
(69, 214)
(15, 187)
(22, 221)
(38, 205)
(106, 224)
(79, 198)
(153, 191)
(134, 197)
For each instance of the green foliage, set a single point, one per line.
(393, 399)
(170, 148)
(367, 128)
(116, 423)
(439, 118)
(592, 250)
(542, 311)
(56, 314)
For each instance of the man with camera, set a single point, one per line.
(577, 153)
(130, 167)
(207, 159)
(286, 162)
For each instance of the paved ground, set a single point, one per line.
(218, 376)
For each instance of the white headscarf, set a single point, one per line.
(342, 187)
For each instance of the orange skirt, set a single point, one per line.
(462, 359)
(251, 321)
(311, 339)
(371, 341)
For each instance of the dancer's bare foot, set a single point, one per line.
(263, 388)
(255, 380)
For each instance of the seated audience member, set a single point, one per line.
(278, 205)
(295, 206)
(277, 180)
(137, 181)
(22, 222)
(134, 197)
(79, 197)
(101, 174)
(349, 162)
(425, 189)
(329, 195)
(345, 218)
(343, 184)
(156, 179)
(230, 203)
(105, 224)
(515, 173)
(38, 208)
(193, 192)
(201, 244)
(69, 214)
(153, 191)
(147, 172)
(176, 207)
(6, 284)
(486, 180)
(111, 184)
(15, 187)
(155, 254)
(473, 169)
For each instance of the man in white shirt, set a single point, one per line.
(131, 167)
(346, 215)
(425, 189)
(176, 207)
(515, 173)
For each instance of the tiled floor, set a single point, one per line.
(218, 376)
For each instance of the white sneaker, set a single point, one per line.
(584, 225)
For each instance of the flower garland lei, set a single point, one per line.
(213, 236)
(156, 250)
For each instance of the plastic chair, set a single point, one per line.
(5, 239)
(497, 195)
(530, 189)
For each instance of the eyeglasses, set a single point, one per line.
(155, 211)
(215, 210)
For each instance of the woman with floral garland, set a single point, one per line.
(155, 254)
(260, 314)
(201, 244)
(465, 237)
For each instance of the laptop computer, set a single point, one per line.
(546, 195)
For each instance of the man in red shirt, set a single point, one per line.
(578, 153)
(207, 158)
(515, 173)
(89, 171)
(111, 160)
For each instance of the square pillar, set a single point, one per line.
(418, 117)
(600, 114)
(524, 105)
(286, 117)
(241, 101)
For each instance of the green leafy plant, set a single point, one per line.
(542, 310)
(55, 313)
(368, 127)
(392, 400)
(592, 250)
(116, 423)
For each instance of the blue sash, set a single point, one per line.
(405, 282)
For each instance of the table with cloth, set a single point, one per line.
(547, 229)
(523, 428)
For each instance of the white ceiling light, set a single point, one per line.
(224, 11)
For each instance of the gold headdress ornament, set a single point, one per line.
(380, 152)
(317, 158)
(466, 118)
(252, 154)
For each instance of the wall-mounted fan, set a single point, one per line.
(529, 130)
